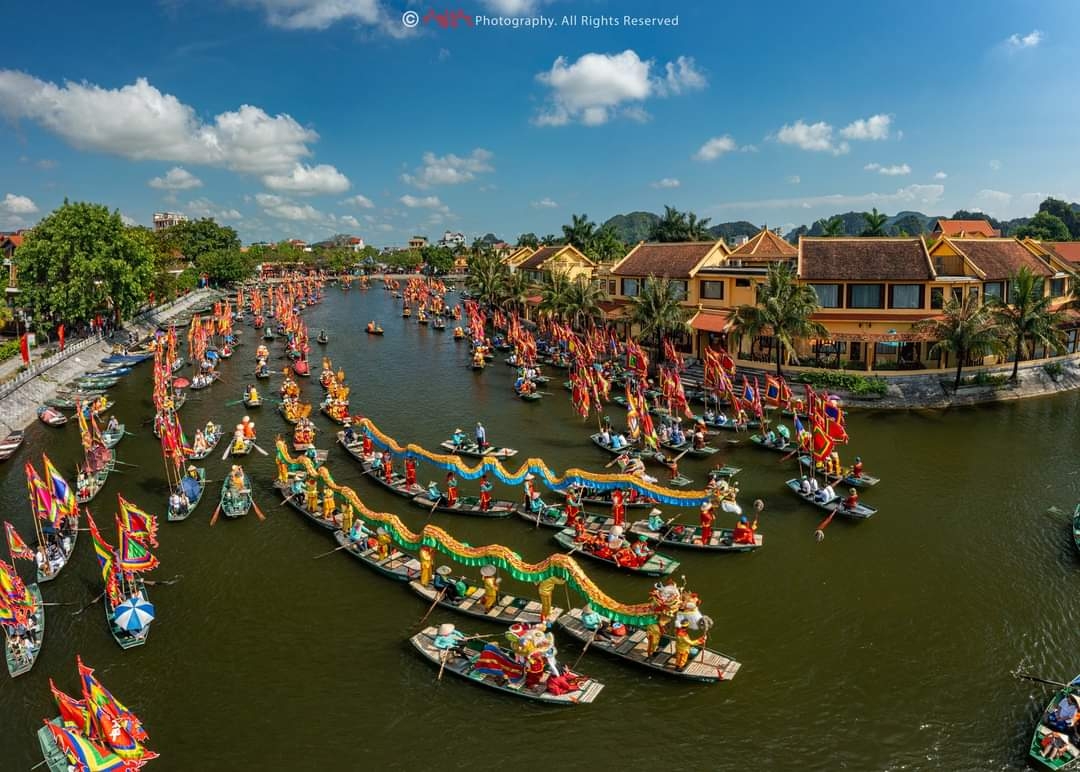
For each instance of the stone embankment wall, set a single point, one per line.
(19, 401)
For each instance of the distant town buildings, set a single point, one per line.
(452, 240)
(163, 220)
(418, 242)
(9, 242)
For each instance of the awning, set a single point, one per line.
(614, 309)
(712, 321)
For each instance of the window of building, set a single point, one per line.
(866, 296)
(742, 282)
(630, 287)
(828, 295)
(957, 294)
(1057, 287)
(712, 290)
(905, 296)
(679, 288)
(973, 293)
(994, 289)
(937, 297)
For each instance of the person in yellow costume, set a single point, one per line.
(684, 643)
(546, 589)
(253, 394)
(383, 540)
(427, 560)
(491, 586)
(328, 504)
(282, 470)
(311, 495)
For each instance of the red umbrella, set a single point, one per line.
(181, 383)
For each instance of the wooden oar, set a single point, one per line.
(259, 449)
(588, 643)
(214, 517)
(258, 511)
(88, 605)
(155, 583)
(434, 506)
(228, 450)
(819, 533)
(438, 596)
(331, 552)
(1037, 679)
(443, 657)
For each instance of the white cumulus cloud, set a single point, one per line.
(544, 203)
(597, 87)
(450, 169)
(1016, 41)
(794, 179)
(666, 182)
(360, 201)
(816, 137)
(13, 204)
(139, 122)
(316, 14)
(283, 209)
(890, 171)
(424, 202)
(308, 179)
(202, 207)
(177, 178)
(715, 147)
(994, 198)
(873, 128)
(995, 165)
(940, 176)
(349, 220)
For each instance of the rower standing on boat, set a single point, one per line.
(481, 436)
(451, 489)
(528, 489)
(485, 493)
(491, 586)
(708, 517)
(573, 505)
(410, 472)
(618, 507)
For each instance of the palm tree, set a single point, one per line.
(658, 309)
(583, 301)
(833, 227)
(697, 230)
(516, 290)
(486, 279)
(875, 223)
(579, 232)
(1026, 316)
(966, 327)
(783, 310)
(671, 227)
(555, 294)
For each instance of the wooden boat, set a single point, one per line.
(729, 425)
(708, 666)
(397, 481)
(1048, 725)
(18, 665)
(50, 416)
(473, 450)
(112, 438)
(787, 447)
(439, 324)
(42, 576)
(174, 517)
(215, 376)
(109, 372)
(599, 442)
(465, 667)
(603, 499)
(724, 472)
(252, 403)
(406, 312)
(262, 374)
(860, 512)
(422, 320)
(126, 639)
(478, 365)
(97, 409)
(236, 505)
(555, 517)
(11, 443)
(54, 758)
(467, 505)
(690, 536)
(281, 409)
(96, 383)
(848, 479)
(211, 443)
(243, 451)
(297, 503)
(322, 339)
(656, 565)
(508, 609)
(398, 565)
(687, 446)
(301, 368)
(532, 396)
(268, 334)
(374, 331)
(325, 410)
(97, 482)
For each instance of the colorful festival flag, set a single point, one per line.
(16, 546)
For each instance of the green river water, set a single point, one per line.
(887, 646)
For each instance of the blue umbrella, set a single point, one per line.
(134, 614)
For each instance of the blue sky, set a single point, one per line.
(310, 117)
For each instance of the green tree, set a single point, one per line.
(80, 261)
(438, 259)
(194, 237)
(657, 309)
(555, 294)
(875, 223)
(583, 301)
(697, 230)
(403, 258)
(224, 266)
(672, 226)
(551, 240)
(579, 232)
(1026, 316)
(486, 280)
(528, 240)
(784, 310)
(966, 327)
(515, 293)
(833, 227)
(1044, 227)
(605, 246)
(1064, 212)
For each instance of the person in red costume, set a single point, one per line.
(618, 507)
(388, 467)
(410, 471)
(451, 489)
(708, 517)
(485, 493)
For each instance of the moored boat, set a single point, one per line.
(834, 505)
(707, 665)
(10, 444)
(507, 609)
(655, 565)
(50, 416)
(468, 662)
(23, 653)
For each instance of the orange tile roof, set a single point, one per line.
(963, 228)
(766, 245)
(16, 239)
(1068, 251)
(537, 259)
(712, 321)
(863, 259)
(676, 260)
(1000, 258)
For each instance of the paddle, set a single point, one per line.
(228, 450)
(331, 552)
(155, 583)
(819, 533)
(1028, 677)
(443, 656)
(88, 605)
(214, 517)
(588, 643)
(258, 511)
(438, 596)
(435, 505)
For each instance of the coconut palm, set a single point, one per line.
(697, 230)
(1026, 317)
(486, 279)
(783, 310)
(875, 223)
(579, 232)
(658, 309)
(516, 290)
(833, 227)
(583, 301)
(670, 227)
(555, 294)
(966, 327)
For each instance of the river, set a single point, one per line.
(887, 646)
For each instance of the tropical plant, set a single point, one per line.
(516, 289)
(1044, 226)
(605, 246)
(223, 266)
(555, 294)
(579, 232)
(583, 301)
(833, 227)
(875, 223)
(486, 280)
(657, 309)
(697, 230)
(528, 240)
(784, 310)
(194, 237)
(1026, 317)
(966, 327)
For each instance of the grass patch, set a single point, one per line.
(854, 383)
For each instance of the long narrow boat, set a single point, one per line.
(655, 565)
(194, 491)
(215, 376)
(398, 565)
(55, 759)
(555, 517)
(722, 539)
(50, 416)
(111, 372)
(729, 424)
(465, 666)
(848, 479)
(397, 481)
(532, 396)
(835, 504)
(472, 450)
(704, 452)
(127, 639)
(1049, 726)
(211, 443)
(252, 403)
(236, 504)
(94, 484)
(57, 565)
(508, 609)
(297, 503)
(603, 499)
(20, 661)
(707, 665)
(467, 505)
(112, 438)
(788, 446)
(243, 450)
(599, 442)
(11, 443)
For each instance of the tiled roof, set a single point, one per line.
(1000, 258)
(1069, 251)
(538, 258)
(863, 259)
(966, 228)
(14, 238)
(766, 245)
(675, 260)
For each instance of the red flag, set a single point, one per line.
(60, 335)
(16, 546)
(24, 348)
